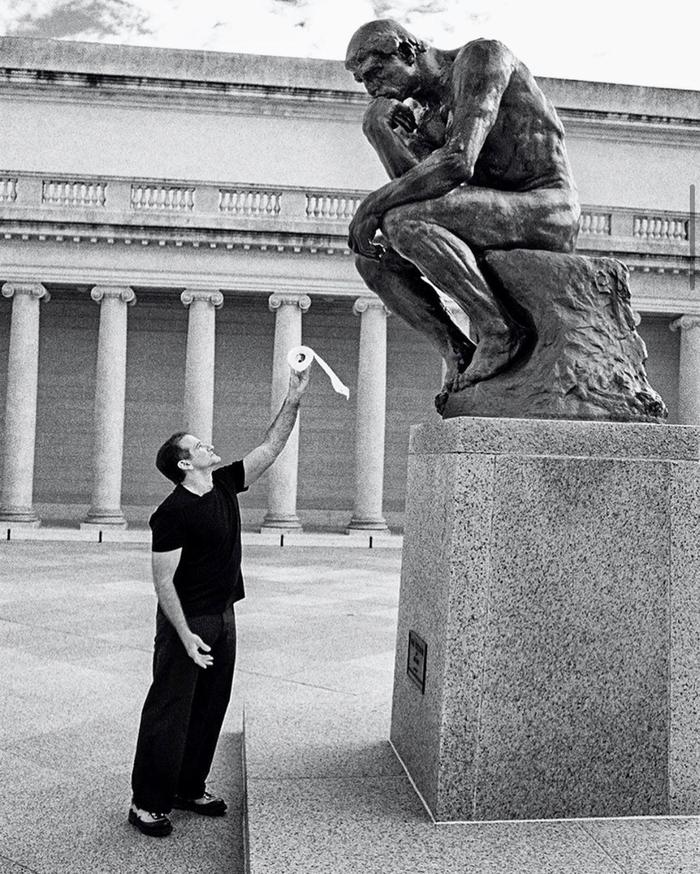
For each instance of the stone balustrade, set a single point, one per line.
(62, 192)
(162, 203)
(336, 206)
(8, 189)
(595, 223)
(661, 227)
(250, 201)
(177, 198)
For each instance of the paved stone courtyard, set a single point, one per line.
(316, 640)
(76, 630)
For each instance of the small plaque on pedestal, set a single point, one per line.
(417, 653)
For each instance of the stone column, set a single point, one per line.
(282, 499)
(371, 416)
(199, 364)
(16, 505)
(689, 372)
(110, 391)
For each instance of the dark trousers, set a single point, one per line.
(183, 712)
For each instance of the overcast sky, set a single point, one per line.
(644, 43)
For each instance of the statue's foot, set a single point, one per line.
(457, 363)
(441, 400)
(493, 354)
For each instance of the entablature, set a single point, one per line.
(167, 211)
(119, 217)
(50, 70)
(225, 97)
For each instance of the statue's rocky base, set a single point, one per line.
(582, 359)
(550, 586)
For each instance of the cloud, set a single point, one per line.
(319, 28)
(598, 39)
(74, 19)
(444, 23)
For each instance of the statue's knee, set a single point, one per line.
(400, 229)
(368, 268)
(391, 221)
(393, 224)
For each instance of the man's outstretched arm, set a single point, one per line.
(257, 461)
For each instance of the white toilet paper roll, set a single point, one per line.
(301, 357)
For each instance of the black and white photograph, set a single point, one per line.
(349, 437)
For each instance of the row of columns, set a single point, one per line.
(16, 499)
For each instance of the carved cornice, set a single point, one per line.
(218, 97)
(672, 261)
(685, 323)
(258, 98)
(275, 301)
(214, 298)
(622, 126)
(365, 303)
(113, 292)
(203, 239)
(665, 306)
(32, 289)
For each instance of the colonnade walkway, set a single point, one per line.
(105, 511)
(325, 794)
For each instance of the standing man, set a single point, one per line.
(196, 552)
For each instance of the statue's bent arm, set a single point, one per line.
(480, 75)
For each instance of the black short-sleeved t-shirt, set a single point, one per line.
(208, 578)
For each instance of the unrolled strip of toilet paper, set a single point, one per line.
(301, 357)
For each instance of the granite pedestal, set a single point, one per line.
(549, 620)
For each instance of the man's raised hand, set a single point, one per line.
(298, 382)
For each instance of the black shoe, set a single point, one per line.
(157, 825)
(207, 805)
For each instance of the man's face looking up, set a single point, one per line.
(201, 455)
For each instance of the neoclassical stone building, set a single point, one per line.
(171, 222)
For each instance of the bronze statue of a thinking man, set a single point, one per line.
(476, 156)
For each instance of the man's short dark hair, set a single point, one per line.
(168, 456)
(383, 37)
